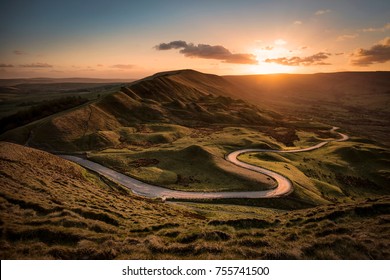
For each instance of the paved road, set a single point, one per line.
(284, 185)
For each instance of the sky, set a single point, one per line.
(134, 39)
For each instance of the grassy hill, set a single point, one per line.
(54, 209)
(188, 98)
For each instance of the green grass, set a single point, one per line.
(337, 172)
(46, 214)
(184, 158)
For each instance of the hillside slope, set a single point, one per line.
(54, 209)
(186, 98)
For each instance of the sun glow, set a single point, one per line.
(271, 68)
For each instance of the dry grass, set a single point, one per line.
(53, 209)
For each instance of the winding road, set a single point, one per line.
(284, 185)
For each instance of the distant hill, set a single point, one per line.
(356, 101)
(14, 82)
(183, 97)
(321, 85)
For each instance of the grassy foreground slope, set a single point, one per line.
(54, 209)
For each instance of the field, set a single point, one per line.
(174, 129)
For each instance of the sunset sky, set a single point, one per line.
(133, 39)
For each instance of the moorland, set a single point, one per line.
(173, 130)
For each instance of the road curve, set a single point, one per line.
(284, 185)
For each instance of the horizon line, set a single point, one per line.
(126, 79)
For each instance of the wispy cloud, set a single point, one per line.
(268, 48)
(378, 53)
(18, 52)
(123, 66)
(208, 52)
(5, 65)
(347, 37)
(297, 22)
(316, 59)
(378, 29)
(36, 65)
(322, 12)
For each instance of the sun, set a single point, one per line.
(271, 68)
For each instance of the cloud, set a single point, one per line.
(297, 22)
(322, 12)
(347, 37)
(378, 53)
(316, 59)
(18, 52)
(340, 53)
(280, 42)
(208, 52)
(172, 45)
(268, 48)
(380, 29)
(5, 65)
(36, 65)
(123, 66)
